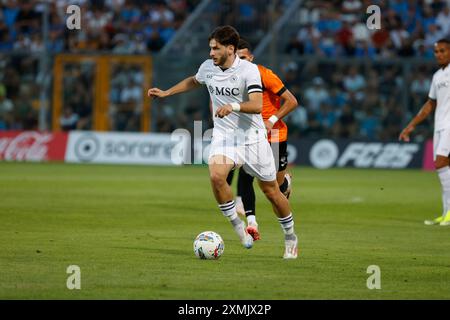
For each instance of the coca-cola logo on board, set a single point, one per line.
(30, 146)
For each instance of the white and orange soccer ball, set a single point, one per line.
(208, 245)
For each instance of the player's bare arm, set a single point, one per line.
(423, 113)
(253, 105)
(182, 86)
(289, 104)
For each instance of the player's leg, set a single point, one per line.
(260, 163)
(238, 201)
(284, 178)
(441, 142)
(247, 194)
(219, 168)
(282, 209)
(442, 167)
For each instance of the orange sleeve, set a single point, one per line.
(271, 81)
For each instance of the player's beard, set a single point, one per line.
(221, 61)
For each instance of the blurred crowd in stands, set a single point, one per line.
(112, 26)
(357, 99)
(118, 26)
(409, 28)
(365, 101)
(341, 93)
(19, 92)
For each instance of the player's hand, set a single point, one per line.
(269, 125)
(404, 135)
(156, 93)
(223, 111)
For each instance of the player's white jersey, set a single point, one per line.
(233, 85)
(440, 91)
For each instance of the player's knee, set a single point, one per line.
(271, 193)
(217, 179)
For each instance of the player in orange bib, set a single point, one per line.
(274, 92)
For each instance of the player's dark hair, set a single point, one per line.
(225, 35)
(443, 40)
(243, 44)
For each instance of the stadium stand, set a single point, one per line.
(350, 81)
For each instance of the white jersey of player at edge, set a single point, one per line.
(233, 85)
(440, 91)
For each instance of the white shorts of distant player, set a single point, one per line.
(441, 143)
(255, 157)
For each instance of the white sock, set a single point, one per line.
(444, 177)
(251, 219)
(287, 224)
(229, 211)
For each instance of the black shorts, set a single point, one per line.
(279, 150)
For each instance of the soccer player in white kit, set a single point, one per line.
(239, 135)
(438, 100)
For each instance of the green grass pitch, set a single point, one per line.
(130, 229)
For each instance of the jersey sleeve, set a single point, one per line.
(253, 79)
(200, 76)
(272, 82)
(432, 93)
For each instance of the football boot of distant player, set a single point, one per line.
(291, 249)
(446, 220)
(438, 220)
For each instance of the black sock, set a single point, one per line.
(284, 186)
(230, 177)
(246, 192)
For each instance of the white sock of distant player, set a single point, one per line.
(287, 224)
(229, 211)
(444, 177)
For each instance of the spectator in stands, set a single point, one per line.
(295, 46)
(390, 122)
(370, 126)
(350, 9)
(309, 36)
(407, 49)
(297, 121)
(354, 83)
(346, 126)
(6, 109)
(337, 98)
(428, 17)
(316, 94)
(420, 87)
(443, 20)
(433, 34)
(326, 117)
(398, 34)
(27, 20)
(345, 39)
(155, 42)
(69, 119)
(25, 117)
(388, 83)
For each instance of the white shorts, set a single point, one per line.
(256, 158)
(441, 143)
